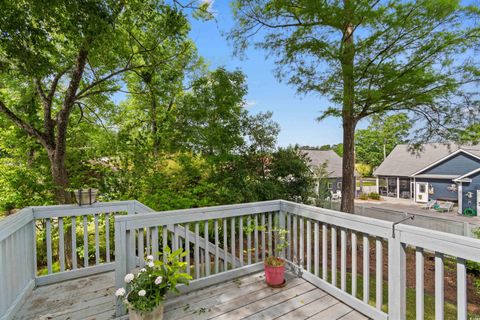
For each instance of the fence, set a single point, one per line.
(224, 242)
(321, 244)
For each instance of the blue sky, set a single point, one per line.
(295, 114)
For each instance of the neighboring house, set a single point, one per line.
(333, 167)
(435, 172)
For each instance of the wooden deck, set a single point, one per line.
(243, 298)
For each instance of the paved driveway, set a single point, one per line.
(395, 209)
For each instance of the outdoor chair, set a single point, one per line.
(444, 207)
(429, 205)
(337, 195)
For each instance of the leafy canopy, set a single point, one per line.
(408, 55)
(376, 142)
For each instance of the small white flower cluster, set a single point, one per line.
(150, 261)
(120, 292)
(129, 277)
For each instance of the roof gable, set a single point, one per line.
(333, 161)
(404, 163)
(456, 163)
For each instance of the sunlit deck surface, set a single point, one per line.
(245, 297)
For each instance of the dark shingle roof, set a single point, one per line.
(333, 160)
(403, 162)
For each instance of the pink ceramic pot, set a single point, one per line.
(275, 276)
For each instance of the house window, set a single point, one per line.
(339, 185)
(421, 188)
(329, 185)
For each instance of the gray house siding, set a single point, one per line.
(458, 164)
(441, 189)
(471, 187)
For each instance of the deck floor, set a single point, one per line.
(243, 298)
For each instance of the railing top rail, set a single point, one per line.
(142, 208)
(151, 219)
(76, 210)
(447, 243)
(372, 226)
(12, 223)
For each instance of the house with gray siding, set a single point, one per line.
(435, 172)
(333, 166)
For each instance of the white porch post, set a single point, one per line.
(460, 197)
(414, 190)
(378, 185)
(398, 187)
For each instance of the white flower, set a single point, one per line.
(150, 257)
(158, 280)
(142, 270)
(120, 292)
(129, 277)
(150, 264)
(142, 293)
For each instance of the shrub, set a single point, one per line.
(374, 196)
(363, 196)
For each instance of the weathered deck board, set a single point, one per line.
(247, 297)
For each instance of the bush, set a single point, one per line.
(374, 196)
(363, 196)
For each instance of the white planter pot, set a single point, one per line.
(155, 314)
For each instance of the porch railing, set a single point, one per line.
(17, 261)
(338, 252)
(325, 247)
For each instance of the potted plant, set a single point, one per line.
(145, 292)
(275, 266)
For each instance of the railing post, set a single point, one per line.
(396, 278)
(120, 263)
(281, 225)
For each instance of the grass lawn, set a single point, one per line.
(367, 183)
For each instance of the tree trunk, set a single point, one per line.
(60, 181)
(348, 111)
(59, 177)
(348, 169)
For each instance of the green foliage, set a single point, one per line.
(365, 170)
(363, 196)
(374, 196)
(150, 286)
(274, 261)
(380, 137)
(180, 137)
(338, 148)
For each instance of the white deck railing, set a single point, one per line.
(17, 261)
(325, 246)
(225, 242)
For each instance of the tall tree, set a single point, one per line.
(69, 54)
(375, 142)
(368, 57)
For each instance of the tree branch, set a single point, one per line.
(69, 101)
(31, 131)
